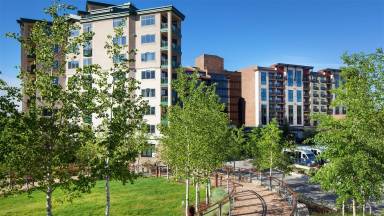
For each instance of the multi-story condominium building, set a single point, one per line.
(274, 92)
(228, 84)
(154, 32)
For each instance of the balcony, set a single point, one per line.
(315, 95)
(323, 109)
(176, 30)
(323, 95)
(315, 109)
(87, 52)
(323, 88)
(164, 100)
(306, 95)
(164, 27)
(176, 48)
(323, 102)
(315, 102)
(164, 45)
(164, 81)
(164, 64)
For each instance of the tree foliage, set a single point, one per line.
(354, 144)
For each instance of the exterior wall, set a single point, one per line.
(210, 63)
(236, 102)
(248, 92)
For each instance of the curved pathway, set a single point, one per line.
(254, 199)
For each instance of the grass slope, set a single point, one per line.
(147, 196)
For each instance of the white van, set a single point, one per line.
(301, 156)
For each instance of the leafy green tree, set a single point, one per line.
(354, 144)
(194, 140)
(43, 141)
(111, 97)
(236, 147)
(268, 146)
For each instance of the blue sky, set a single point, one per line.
(243, 32)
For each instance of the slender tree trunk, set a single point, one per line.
(227, 181)
(49, 201)
(270, 172)
(370, 208)
(209, 188)
(167, 172)
(353, 207)
(260, 177)
(107, 190)
(343, 209)
(364, 209)
(206, 194)
(186, 196)
(197, 196)
(234, 166)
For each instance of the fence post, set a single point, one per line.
(230, 205)
(219, 209)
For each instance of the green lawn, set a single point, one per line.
(147, 196)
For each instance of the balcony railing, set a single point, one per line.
(164, 27)
(164, 80)
(164, 100)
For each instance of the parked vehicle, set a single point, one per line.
(301, 156)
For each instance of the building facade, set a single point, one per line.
(288, 93)
(155, 34)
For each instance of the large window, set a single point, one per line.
(263, 114)
(148, 74)
(119, 58)
(290, 95)
(150, 111)
(87, 49)
(151, 129)
(299, 113)
(299, 80)
(148, 151)
(148, 92)
(147, 20)
(122, 40)
(148, 56)
(290, 114)
(290, 78)
(149, 38)
(87, 61)
(55, 80)
(75, 32)
(87, 27)
(264, 94)
(263, 78)
(73, 64)
(299, 96)
(118, 22)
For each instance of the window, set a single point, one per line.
(87, 119)
(150, 111)
(148, 92)
(290, 114)
(148, 151)
(148, 74)
(87, 61)
(299, 80)
(55, 80)
(264, 94)
(337, 111)
(73, 64)
(299, 96)
(117, 59)
(118, 22)
(74, 32)
(263, 78)
(56, 48)
(151, 129)
(263, 114)
(87, 27)
(87, 49)
(149, 38)
(147, 20)
(120, 40)
(148, 56)
(290, 78)
(55, 64)
(290, 95)
(299, 113)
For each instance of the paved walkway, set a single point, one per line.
(254, 199)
